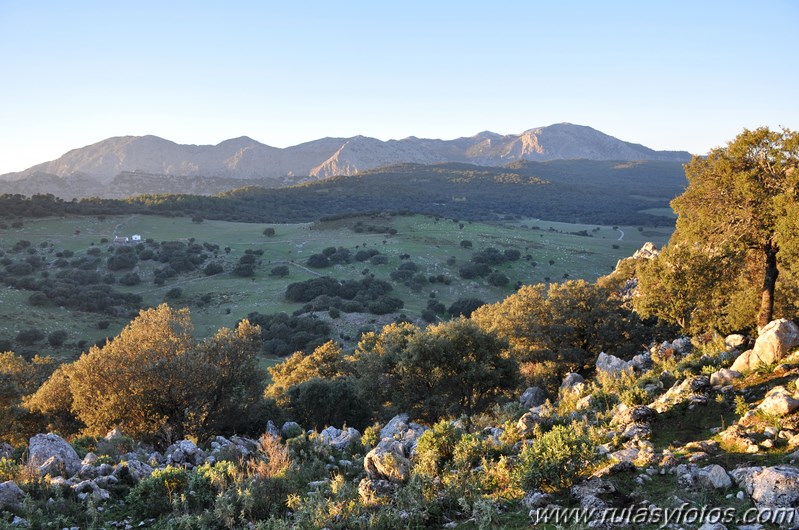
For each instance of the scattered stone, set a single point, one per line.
(724, 377)
(735, 341)
(715, 476)
(573, 382)
(387, 461)
(291, 429)
(340, 439)
(533, 397)
(113, 434)
(775, 342)
(779, 402)
(610, 364)
(11, 496)
(52, 450)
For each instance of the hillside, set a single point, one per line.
(142, 164)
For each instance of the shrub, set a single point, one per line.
(213, 268)
(557, 459)
(281, 271)
(464, 306)
(57, 338)
(269, 232)
(154, 495)
(130, 279)
(498, 279)
(29, 336)
(175, 292)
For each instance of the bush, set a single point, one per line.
(175, 292)
(269, 232)
(498, 279)
(464, 306)
(29, 336)
(153, 496)
(245, 270)
(281, 271)
(130, 279)
(318, 402)
(318, 261)
(57, 338)
(213, 268)
(557, 459)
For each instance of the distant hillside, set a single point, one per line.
(148, 164)
(562, 190)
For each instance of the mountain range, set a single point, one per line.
(149, 164)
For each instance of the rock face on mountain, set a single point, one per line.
(244, 158)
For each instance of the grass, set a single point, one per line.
(430, 242)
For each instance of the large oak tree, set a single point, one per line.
(735, 237)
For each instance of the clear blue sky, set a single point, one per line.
(668, 74)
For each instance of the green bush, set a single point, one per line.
(436, 447)
(556, 459)
(157, 494)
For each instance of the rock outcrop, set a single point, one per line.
(777, 339)
(51, 455)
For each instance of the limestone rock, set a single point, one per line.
(52, 450)
(114, 433)
(610, 364)
(340, 439)
(716, 477)
(369, 490)
(775, 342)
(408, 433)
(779, 402)
(724, 377)
(290, 429)
(573, 382)
(387, 461)
(527, 422)
(735, 341)
(770, 487)
(532, 397)
(11, 496)
(132, 471)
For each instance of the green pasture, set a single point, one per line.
(223, 299)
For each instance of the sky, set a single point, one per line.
(687, 75)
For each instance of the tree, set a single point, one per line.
(447, 370)
(562, 328)
(19, 377)
(741, 200)
(154, 381)
(325, 362)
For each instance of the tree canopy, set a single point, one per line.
(738, 219)
(155, 381)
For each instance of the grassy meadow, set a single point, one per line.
(557, 251)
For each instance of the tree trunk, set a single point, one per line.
(769, 283)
